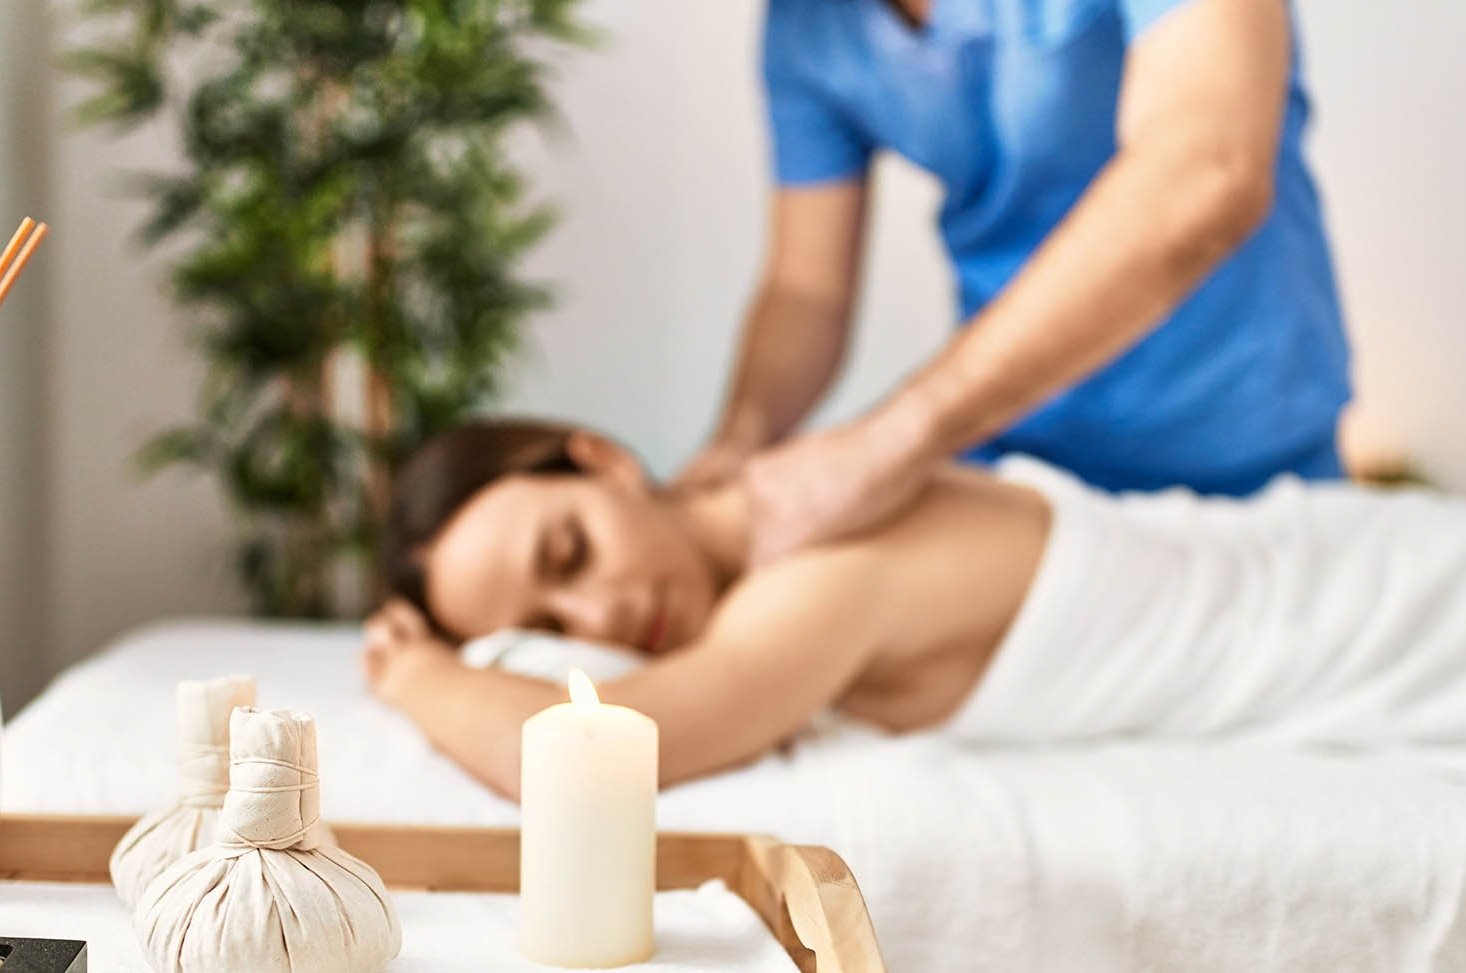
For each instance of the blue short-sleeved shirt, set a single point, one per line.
(1011, 105)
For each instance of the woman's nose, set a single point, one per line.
(590, 615)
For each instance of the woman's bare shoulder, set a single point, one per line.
(959, 559)
(833, 585)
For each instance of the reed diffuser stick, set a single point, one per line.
(18, 252)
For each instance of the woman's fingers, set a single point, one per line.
(371, 662)
(380, 628)
(396, 621)
(406, 619)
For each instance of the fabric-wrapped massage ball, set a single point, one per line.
(188, 824)
(269, 896)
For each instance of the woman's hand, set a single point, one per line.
(399, 648)
(397, 620)
(472, 715)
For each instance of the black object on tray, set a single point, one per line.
(42, 955)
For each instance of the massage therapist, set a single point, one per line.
(1140, 258)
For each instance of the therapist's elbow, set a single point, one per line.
(1227, 191)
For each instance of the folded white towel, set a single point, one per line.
(698, 930)
(1328, 614)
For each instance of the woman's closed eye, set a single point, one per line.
(549, 624)
(573, 550)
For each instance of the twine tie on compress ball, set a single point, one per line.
(310, 782)
(274, 796)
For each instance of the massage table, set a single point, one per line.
(1117, 856)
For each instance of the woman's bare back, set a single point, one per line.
(951, 574)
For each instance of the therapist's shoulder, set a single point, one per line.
(1053, 22)
(803, 27)
(784, 13)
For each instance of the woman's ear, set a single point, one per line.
(605, 458)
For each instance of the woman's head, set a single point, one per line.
(501, 524)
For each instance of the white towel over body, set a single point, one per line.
(1322, 614)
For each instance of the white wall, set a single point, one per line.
(661, 176)
(1390, 147)
(123, 550)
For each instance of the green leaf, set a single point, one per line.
(131, 82)
(183, 445)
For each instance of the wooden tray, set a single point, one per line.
(805, 894)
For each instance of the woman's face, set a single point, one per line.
(595, 556)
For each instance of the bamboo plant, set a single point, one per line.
(345, 201)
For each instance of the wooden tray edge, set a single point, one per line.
(806, 895)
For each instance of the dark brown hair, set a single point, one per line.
(444, 474)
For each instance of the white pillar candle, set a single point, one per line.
(588, 842)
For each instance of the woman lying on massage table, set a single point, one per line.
(1017, 606)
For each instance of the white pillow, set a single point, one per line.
(549, 657)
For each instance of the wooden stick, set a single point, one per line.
(9, 252)
(15, 243)
(13, 273)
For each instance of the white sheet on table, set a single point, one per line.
(1118, 857)
(705, 929)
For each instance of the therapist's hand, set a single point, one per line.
(831, 484)
(718, 462)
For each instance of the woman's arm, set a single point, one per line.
(785, 645)
(1200, 118)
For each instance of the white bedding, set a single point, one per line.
(1117, 857)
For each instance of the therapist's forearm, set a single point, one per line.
(793, 346)
(1152, 226)
(1198, 124)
